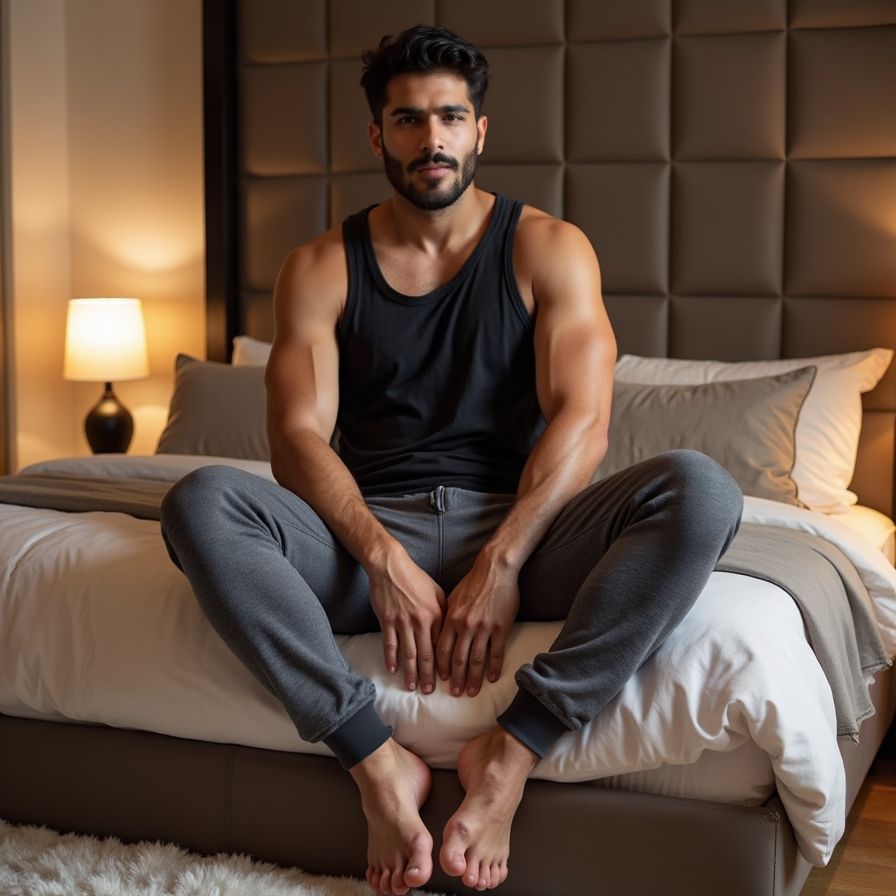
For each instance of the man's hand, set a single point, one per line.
(410, 607)
(481, 610)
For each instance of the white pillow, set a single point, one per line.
(827, 433)
(249, 352)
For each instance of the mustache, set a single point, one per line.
(437, 158)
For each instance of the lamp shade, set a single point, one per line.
(105, 340)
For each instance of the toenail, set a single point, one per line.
(472, 692)
(412, 685)
(456, 691)
(427, 688)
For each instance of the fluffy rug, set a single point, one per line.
(35, 861)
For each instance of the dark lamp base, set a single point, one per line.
(109, 425)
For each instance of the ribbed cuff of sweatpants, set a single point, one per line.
(531, 722)
(357, 737)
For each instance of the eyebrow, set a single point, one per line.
(418, 110)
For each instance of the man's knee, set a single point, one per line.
(709, 494)
(193, 502)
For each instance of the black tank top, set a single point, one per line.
(437, 389)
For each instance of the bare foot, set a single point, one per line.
(476, 842)
(394, 783)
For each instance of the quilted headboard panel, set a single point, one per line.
(733, 163)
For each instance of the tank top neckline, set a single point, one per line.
(445, 288)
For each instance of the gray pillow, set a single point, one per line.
(216, 409)
(748, 426)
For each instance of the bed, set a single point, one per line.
(734, 717)
(156, 731)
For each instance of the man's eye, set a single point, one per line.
(452, 117)
(407, 119)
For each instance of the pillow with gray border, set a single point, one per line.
(748, 426)
(217, 410)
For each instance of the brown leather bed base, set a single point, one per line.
(301, 810)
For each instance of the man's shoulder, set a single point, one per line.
(326, 248)
(536, 226)
(314, 272)
(543, 239)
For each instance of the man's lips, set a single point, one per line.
(431, 169)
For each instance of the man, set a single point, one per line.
(459, 341)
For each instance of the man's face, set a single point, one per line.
(429, 139)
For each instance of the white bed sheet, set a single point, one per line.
(97, 625)
(874, 526)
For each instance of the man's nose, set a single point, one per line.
(431, 136)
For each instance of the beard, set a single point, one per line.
(437, 196)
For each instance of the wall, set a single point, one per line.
(106, 199)
(38, 239)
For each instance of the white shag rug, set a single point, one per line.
(35, 861)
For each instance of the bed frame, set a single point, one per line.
(735, 189)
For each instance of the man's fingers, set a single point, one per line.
(476, 665)
(390, 649)
(496, 655)
(444, 650)
(426, 665)
(409, 657)
(459, 661)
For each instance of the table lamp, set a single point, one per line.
(105, 340)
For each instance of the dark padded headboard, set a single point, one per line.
(734, 163)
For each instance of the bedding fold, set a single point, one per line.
(834, 603)
(141, 498)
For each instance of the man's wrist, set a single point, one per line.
(376, 554)
(501, 557)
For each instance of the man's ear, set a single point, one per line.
(481, 128)
(375, 133)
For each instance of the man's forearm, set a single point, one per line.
(305, 464)
(560, 465)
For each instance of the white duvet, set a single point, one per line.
(97, 625)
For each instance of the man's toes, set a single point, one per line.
(452, 858)
(455, 841)
(385, 882)
(397, 884)
(504, 872)
(472, 875)
(419, 867)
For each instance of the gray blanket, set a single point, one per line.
(832, 599)
(138, 497)
(834, 603)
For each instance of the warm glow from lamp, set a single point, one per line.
(105, 341)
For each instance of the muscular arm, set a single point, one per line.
(574, 355)
(302, 380)
(575, 352)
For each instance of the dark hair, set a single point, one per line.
(423, 48)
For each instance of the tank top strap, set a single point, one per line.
(354, 233)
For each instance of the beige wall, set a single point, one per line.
(39, 244)
(106, 199)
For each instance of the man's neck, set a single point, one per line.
(434, 232)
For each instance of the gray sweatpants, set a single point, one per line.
(622, 564)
